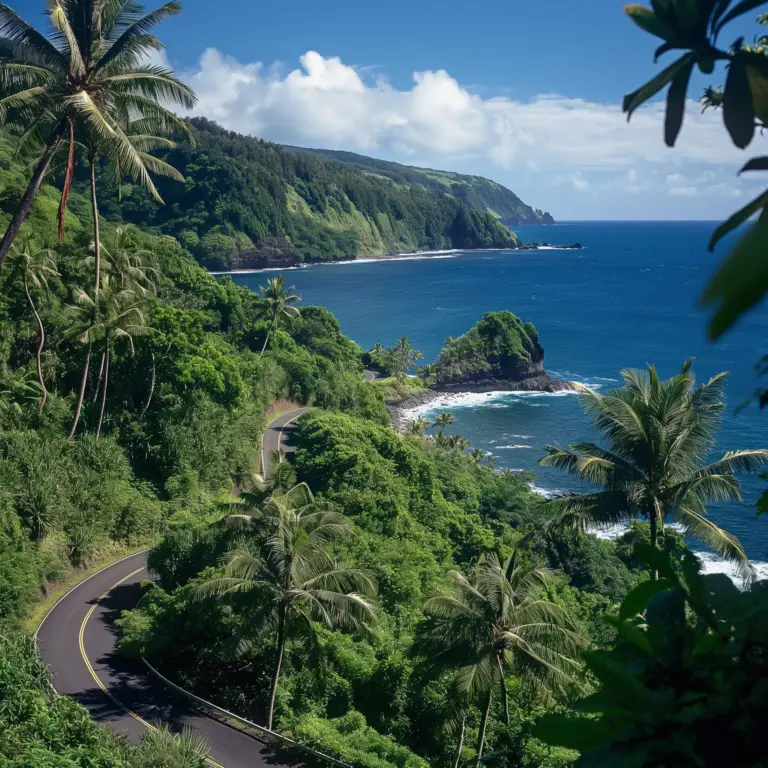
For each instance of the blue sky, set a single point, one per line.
(526, 92)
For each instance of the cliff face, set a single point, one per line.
(476, 192)
(499, 353)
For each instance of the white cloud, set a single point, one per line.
(328, 103)
(683, 191)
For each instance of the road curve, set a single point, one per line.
(77, 641)
(278, 434)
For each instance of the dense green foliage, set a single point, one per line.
(39, 729)
(242, 194)
(685, 684)
(417, 512)
(499, 347)
(475, 191)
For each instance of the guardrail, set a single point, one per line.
(271, 735)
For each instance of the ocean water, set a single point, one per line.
(630, 297)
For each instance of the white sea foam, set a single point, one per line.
(521, 437)
(710, 562)
(496, 399)
(511, 447)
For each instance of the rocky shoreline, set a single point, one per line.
(283, 257)
(544, 383)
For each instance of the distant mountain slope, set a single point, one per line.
(250, 203)
(477, 192)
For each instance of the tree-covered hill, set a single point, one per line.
(477, 192)
(246, 200)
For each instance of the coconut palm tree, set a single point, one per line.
(417, 426)
(114, 315)
(277, 301)
(657, 438)
(498, 621)
(291, 569)
(33, 268)
(134, 268)
(478, 455)
(444, 420)
(79, 82)
(402, 357)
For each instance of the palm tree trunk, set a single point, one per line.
(483, 728)
(504, 696)
(104, 390)
(96, 235)
(151, 386)
(98, 381)
(67, 179)
(264, 348)
(278, 666)
(29, 195)
(654, 520)
(40, 344)
(81, 395)
(461, 741)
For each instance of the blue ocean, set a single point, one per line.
(630, 297)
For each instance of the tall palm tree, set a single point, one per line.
(495, 622)
(115, 314)
(131, 269)
(84, 78)
(34, 268)
(658, 436)
(444, 420)
(402, 357)
(277, 301)
(293, 572)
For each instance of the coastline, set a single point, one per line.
(405, 256)
(404, 411)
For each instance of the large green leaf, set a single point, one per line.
(738, 109)
(636, 601)
(757, 73)
(635, 99)
(745, 6)
(755, 164)
(738, 218)
(648, 21)
(676, 104)
(579, 733)
(742, 280)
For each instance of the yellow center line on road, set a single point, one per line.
(101, 685)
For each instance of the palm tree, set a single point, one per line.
(34, 268)
(402, 357)
(134, 268)
(114, 315)
(276, 304)
(478, 455)
(444, 420)
(498, 621)
(79, 83)
(417, 426)
(294, 573)
(658, 435)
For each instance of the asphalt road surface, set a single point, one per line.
(77, 641)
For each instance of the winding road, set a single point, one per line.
(77, 640)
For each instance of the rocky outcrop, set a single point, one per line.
(276, 254)
(501, 353)
(540, 246)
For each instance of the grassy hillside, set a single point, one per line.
(245, 200)
(476, 192)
